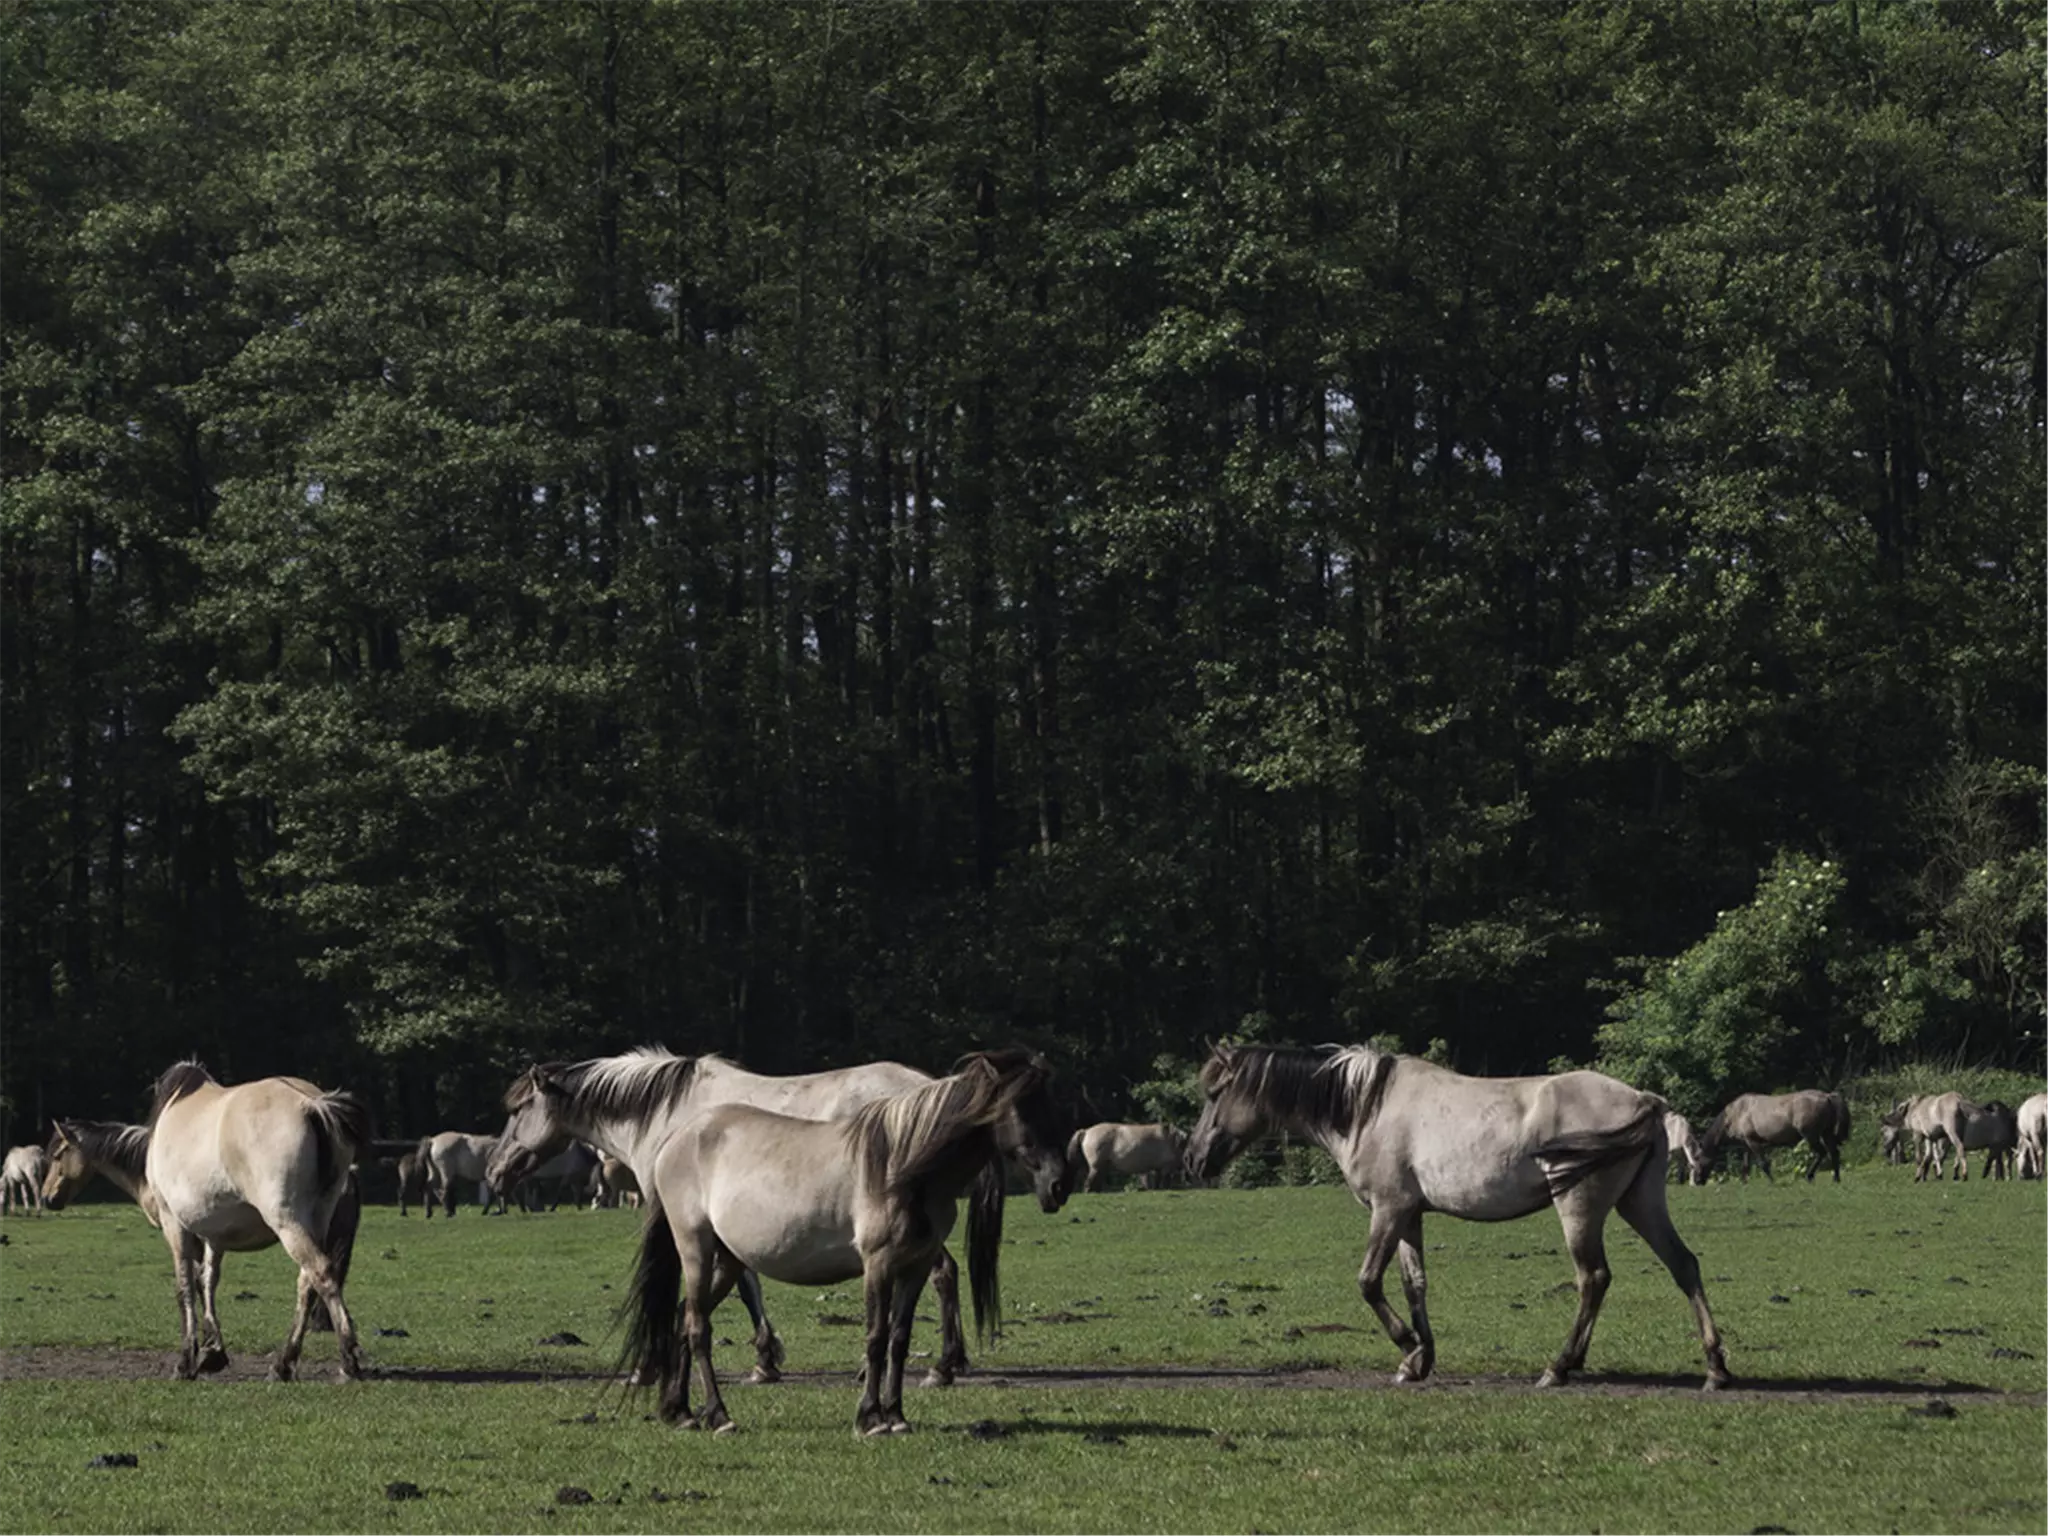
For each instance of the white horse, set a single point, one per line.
(454, 1158)
(21, 1178)
(1413, 1137)
(815, 1202)
(1132, 1150)
(628, 1106)
(2033, 1126)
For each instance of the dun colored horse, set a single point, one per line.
(1940, 1121)
(628, 1106)
(231, 1170)
(616, 1186)
(1756, 1122)
(1413, 1137)
(1131, 1150)
(455, 1158)
(1692, 1164)
(815, 1202)
(2033, 1128)
(21, 1178)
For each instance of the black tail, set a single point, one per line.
(341, 1122)
(1570, 1158)
(650, 1308)
(985, 1247)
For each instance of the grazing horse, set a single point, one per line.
(2033, 1129)
(454, 1158)
(1940, 1121)
(1756, 1122)
(627, 1106)
(1132, 1150)
(21, 1178)
(1413, 1137)
(814, 1202)
(1691, 1163)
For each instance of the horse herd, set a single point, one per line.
(859, 1173)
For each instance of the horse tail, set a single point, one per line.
(341, 1124)
(1567, 1160)
(649, 1311)
(1716, 1132)
(1074, 1158)
(339, 1245)
(984, 1249)
(1841, 1117)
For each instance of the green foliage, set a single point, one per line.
(1734, 1011)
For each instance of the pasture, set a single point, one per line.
(1177, 1361)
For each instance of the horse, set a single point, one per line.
(569, 1173)
(1759, 1121)
(1940, 1121)
(627, 1106)
(21, 1178)
(2033, 1129)
(616, 1186)
(815, 1202)
(1692, 1165)
(412, 1178)
(454, 1158)
(223, 1170)
(1132, 1150)
(1412, 1137)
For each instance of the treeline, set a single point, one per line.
(843, 530)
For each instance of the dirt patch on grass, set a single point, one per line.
(62, 1364)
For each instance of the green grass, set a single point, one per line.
(1963, 1269)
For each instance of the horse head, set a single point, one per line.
(1030, 1126)
(1230, 1117)
(534, 1129)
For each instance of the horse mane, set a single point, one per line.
(125, 1147)
(176, 1082)
(899, 1140)
(632, 1086)
(1328, 1085)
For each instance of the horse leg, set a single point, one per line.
(1643, 1207)
(767, 1347)
(186, 1261)
(316, 1278)
(1415, 1284)
(705, 1287)
(1583, 1210)
(878, 1291)
(1093, 1183)
(1763, 1156)
(952, 1340)
(1381, 1238)
(214, 1351)
(902, 1313)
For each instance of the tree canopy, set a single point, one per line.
(831, 531)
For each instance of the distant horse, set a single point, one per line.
(1756, 1122)
(1940, 1121)
(567, 1175)
(2033, 1128)
(616, 1185)
(815, 1202)
(235, 1170)
(1691, 1163)
(21, 1178)
(412, 1178)
(627, 1106)
(1132, 1150)
(1413, 1137)
(453, 1159)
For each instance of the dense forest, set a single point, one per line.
(843, 530)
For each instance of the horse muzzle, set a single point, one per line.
(1208, 1152)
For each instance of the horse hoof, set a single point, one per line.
(900, 1427)
(280, 1373)
(1551, 1378)
(938, 1378)
(764, 1375)
(213, 1360)
(727, 1428)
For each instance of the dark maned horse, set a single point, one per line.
(628, 1106)
(814, 1202)
(1412, 1137)
(237, 1169)
(1757, 1122)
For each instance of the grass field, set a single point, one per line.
(1846, 1311)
